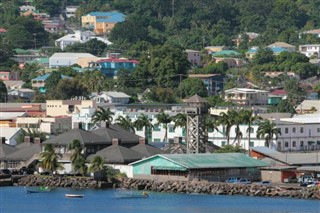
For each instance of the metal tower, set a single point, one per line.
(196, 133)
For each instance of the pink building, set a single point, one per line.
(9, 76)
(194, 57)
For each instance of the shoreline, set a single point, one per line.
(198, 187)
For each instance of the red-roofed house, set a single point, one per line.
(276, 96)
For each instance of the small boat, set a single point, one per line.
(74, 195)
(40, 189)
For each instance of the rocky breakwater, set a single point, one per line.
(59, 181)
(222, 188)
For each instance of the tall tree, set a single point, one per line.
(226, 119)
(165, 119)
(102, 114)
(77, 158)
(126, 123)
(180, 120)
(268, 130)
(50, 159)
(249, 118)
(96, 164)
(3, 92)
(145, 122)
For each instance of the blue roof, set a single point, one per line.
(46, 76)
(274, 49)
(108, 16)
(278, 49)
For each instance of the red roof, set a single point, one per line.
(115, 60)
(2, 30)
(279, 92)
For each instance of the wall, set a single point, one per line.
(274, 176)
(123, 169)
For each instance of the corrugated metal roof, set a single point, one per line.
(169, 168)
(214, 160)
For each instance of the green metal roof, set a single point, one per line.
(214, 160)
(226, 52)
(169, 168)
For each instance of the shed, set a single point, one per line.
(211, 167)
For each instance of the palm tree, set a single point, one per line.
(94, 80)
(77, 158)
(165, 119)
(180, 120)
(49, 159)
(249, 118)
(144, 121)
(237, 118)
(226, 119)
(102, 114)
(125, 123)
(268, 130)
(97, 164)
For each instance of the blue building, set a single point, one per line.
(110, 66)
(40, 81)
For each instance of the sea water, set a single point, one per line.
(16, 200)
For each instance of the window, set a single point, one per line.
(318, 129)
(171, 129)
(156, 127)
(293, 144)
(294, 130)
(223, 143)
(157, 140)
(301, 129)
(279, 144)
(286, 144)
(251, 143)
(286, 130)
(301, 143)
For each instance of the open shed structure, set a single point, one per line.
(186, 167)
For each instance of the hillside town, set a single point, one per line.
(212, 112)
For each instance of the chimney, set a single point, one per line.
(104, 124)
(115, 141)
(37, 140)
(142, 141)
(27, 139)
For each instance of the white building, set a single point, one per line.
(111, 97)
(67, 59)
(247, 97)
(310, 50)
(70, 11)
(23, 93)
(78, 37)
(10, 134)
(301, 132)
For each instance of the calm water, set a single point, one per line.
(15, 200)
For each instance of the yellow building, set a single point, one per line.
(101, 22)
(67, 107)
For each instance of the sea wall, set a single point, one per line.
(222, 188)
(58, 181)
(200, 187)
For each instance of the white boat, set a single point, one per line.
(74, 195)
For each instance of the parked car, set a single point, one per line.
(291, 180)
(233, 179)
(243, 181)
(305, 178)
(265, 182)
(314, 183)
